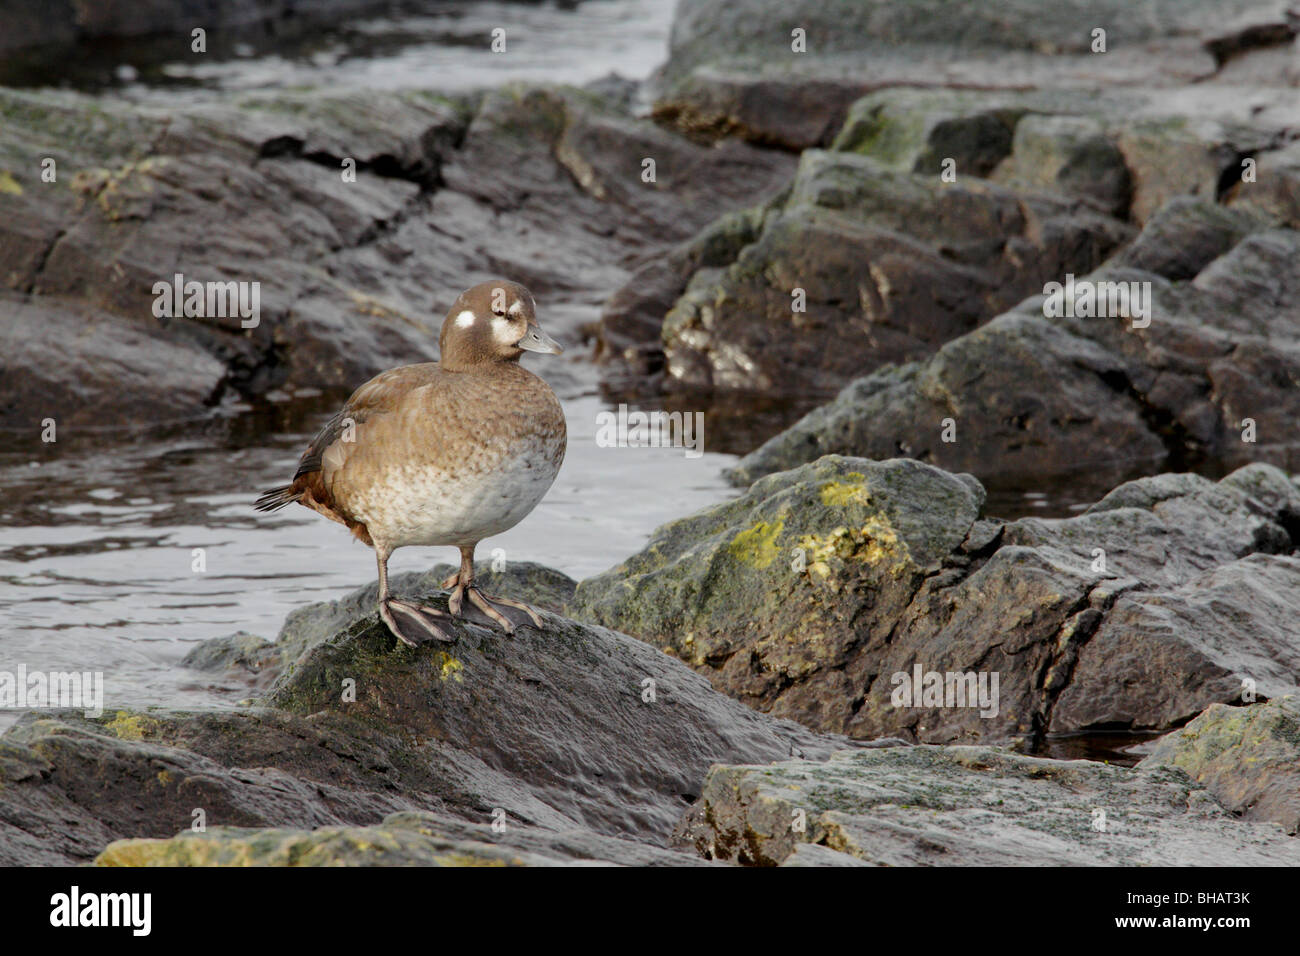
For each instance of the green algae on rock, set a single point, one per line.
(824, 591)
(792, 576)
(1247, 757)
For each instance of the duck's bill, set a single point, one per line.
(535, 340)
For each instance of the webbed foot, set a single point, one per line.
(415, 624)
(484, 603)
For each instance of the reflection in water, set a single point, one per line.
(1122, 748)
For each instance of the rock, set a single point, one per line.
(251, 190)
(891, 265)
(45, 372)
(784, 112)
(1070, 153)
(916, 130)
(1175, 156)
(1033, 395)
(241, 653)
(1128, 152)
(1148, 123)
(571, 728)
(313, 624)
(1186, 236)
(403, 839)
(1274, 193)
(1157, 42)
(1210, 633)
(969, 806)
(820, 593)
(1247, 757)
(735, 69)
(631, 319)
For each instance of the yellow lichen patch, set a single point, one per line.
(876, 542)
(466, 860)
(449, 667)
(120, 193)
(8, 185)
(757, 546)
(840, 494)
(165, 777)
(131, 726)
(141, 852)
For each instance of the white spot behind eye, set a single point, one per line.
(517, 307)
(465, 319)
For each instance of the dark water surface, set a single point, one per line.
(447, 51)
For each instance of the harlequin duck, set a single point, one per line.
(442, 453)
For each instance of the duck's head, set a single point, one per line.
(493, 322)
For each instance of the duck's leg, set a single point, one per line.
(412, 624)
(463, 582)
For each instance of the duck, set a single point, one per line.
(443, 453)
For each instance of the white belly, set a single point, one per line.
(411, 505)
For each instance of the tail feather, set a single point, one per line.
(277, 498)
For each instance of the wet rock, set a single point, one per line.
(1125, 132)
(968, 806)
(1157, 40)
(1199, 641)
(568, 728)
(836, 593)
(46, 370)
(402, 839)
(916, 130)
(1031, 394)
(308, 626)
(734, 68)
(253, 190)
(890, 266)
(243, 654)
(1070, 153)
(1175, 156)
(785, 112)
(1274, 192)
(1247, 757)
(630, 321)
(135, 203)
(1186, 236)
(1127, 151)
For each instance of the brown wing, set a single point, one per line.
(329, 451)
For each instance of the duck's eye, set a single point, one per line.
(498, 312)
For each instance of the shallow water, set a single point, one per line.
(99, 572)
(448, 51)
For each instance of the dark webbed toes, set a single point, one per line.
(415, 625)
(485, 604)
(517, 605)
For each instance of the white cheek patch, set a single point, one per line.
(465, 319)
(504, 333)
(516, 308)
